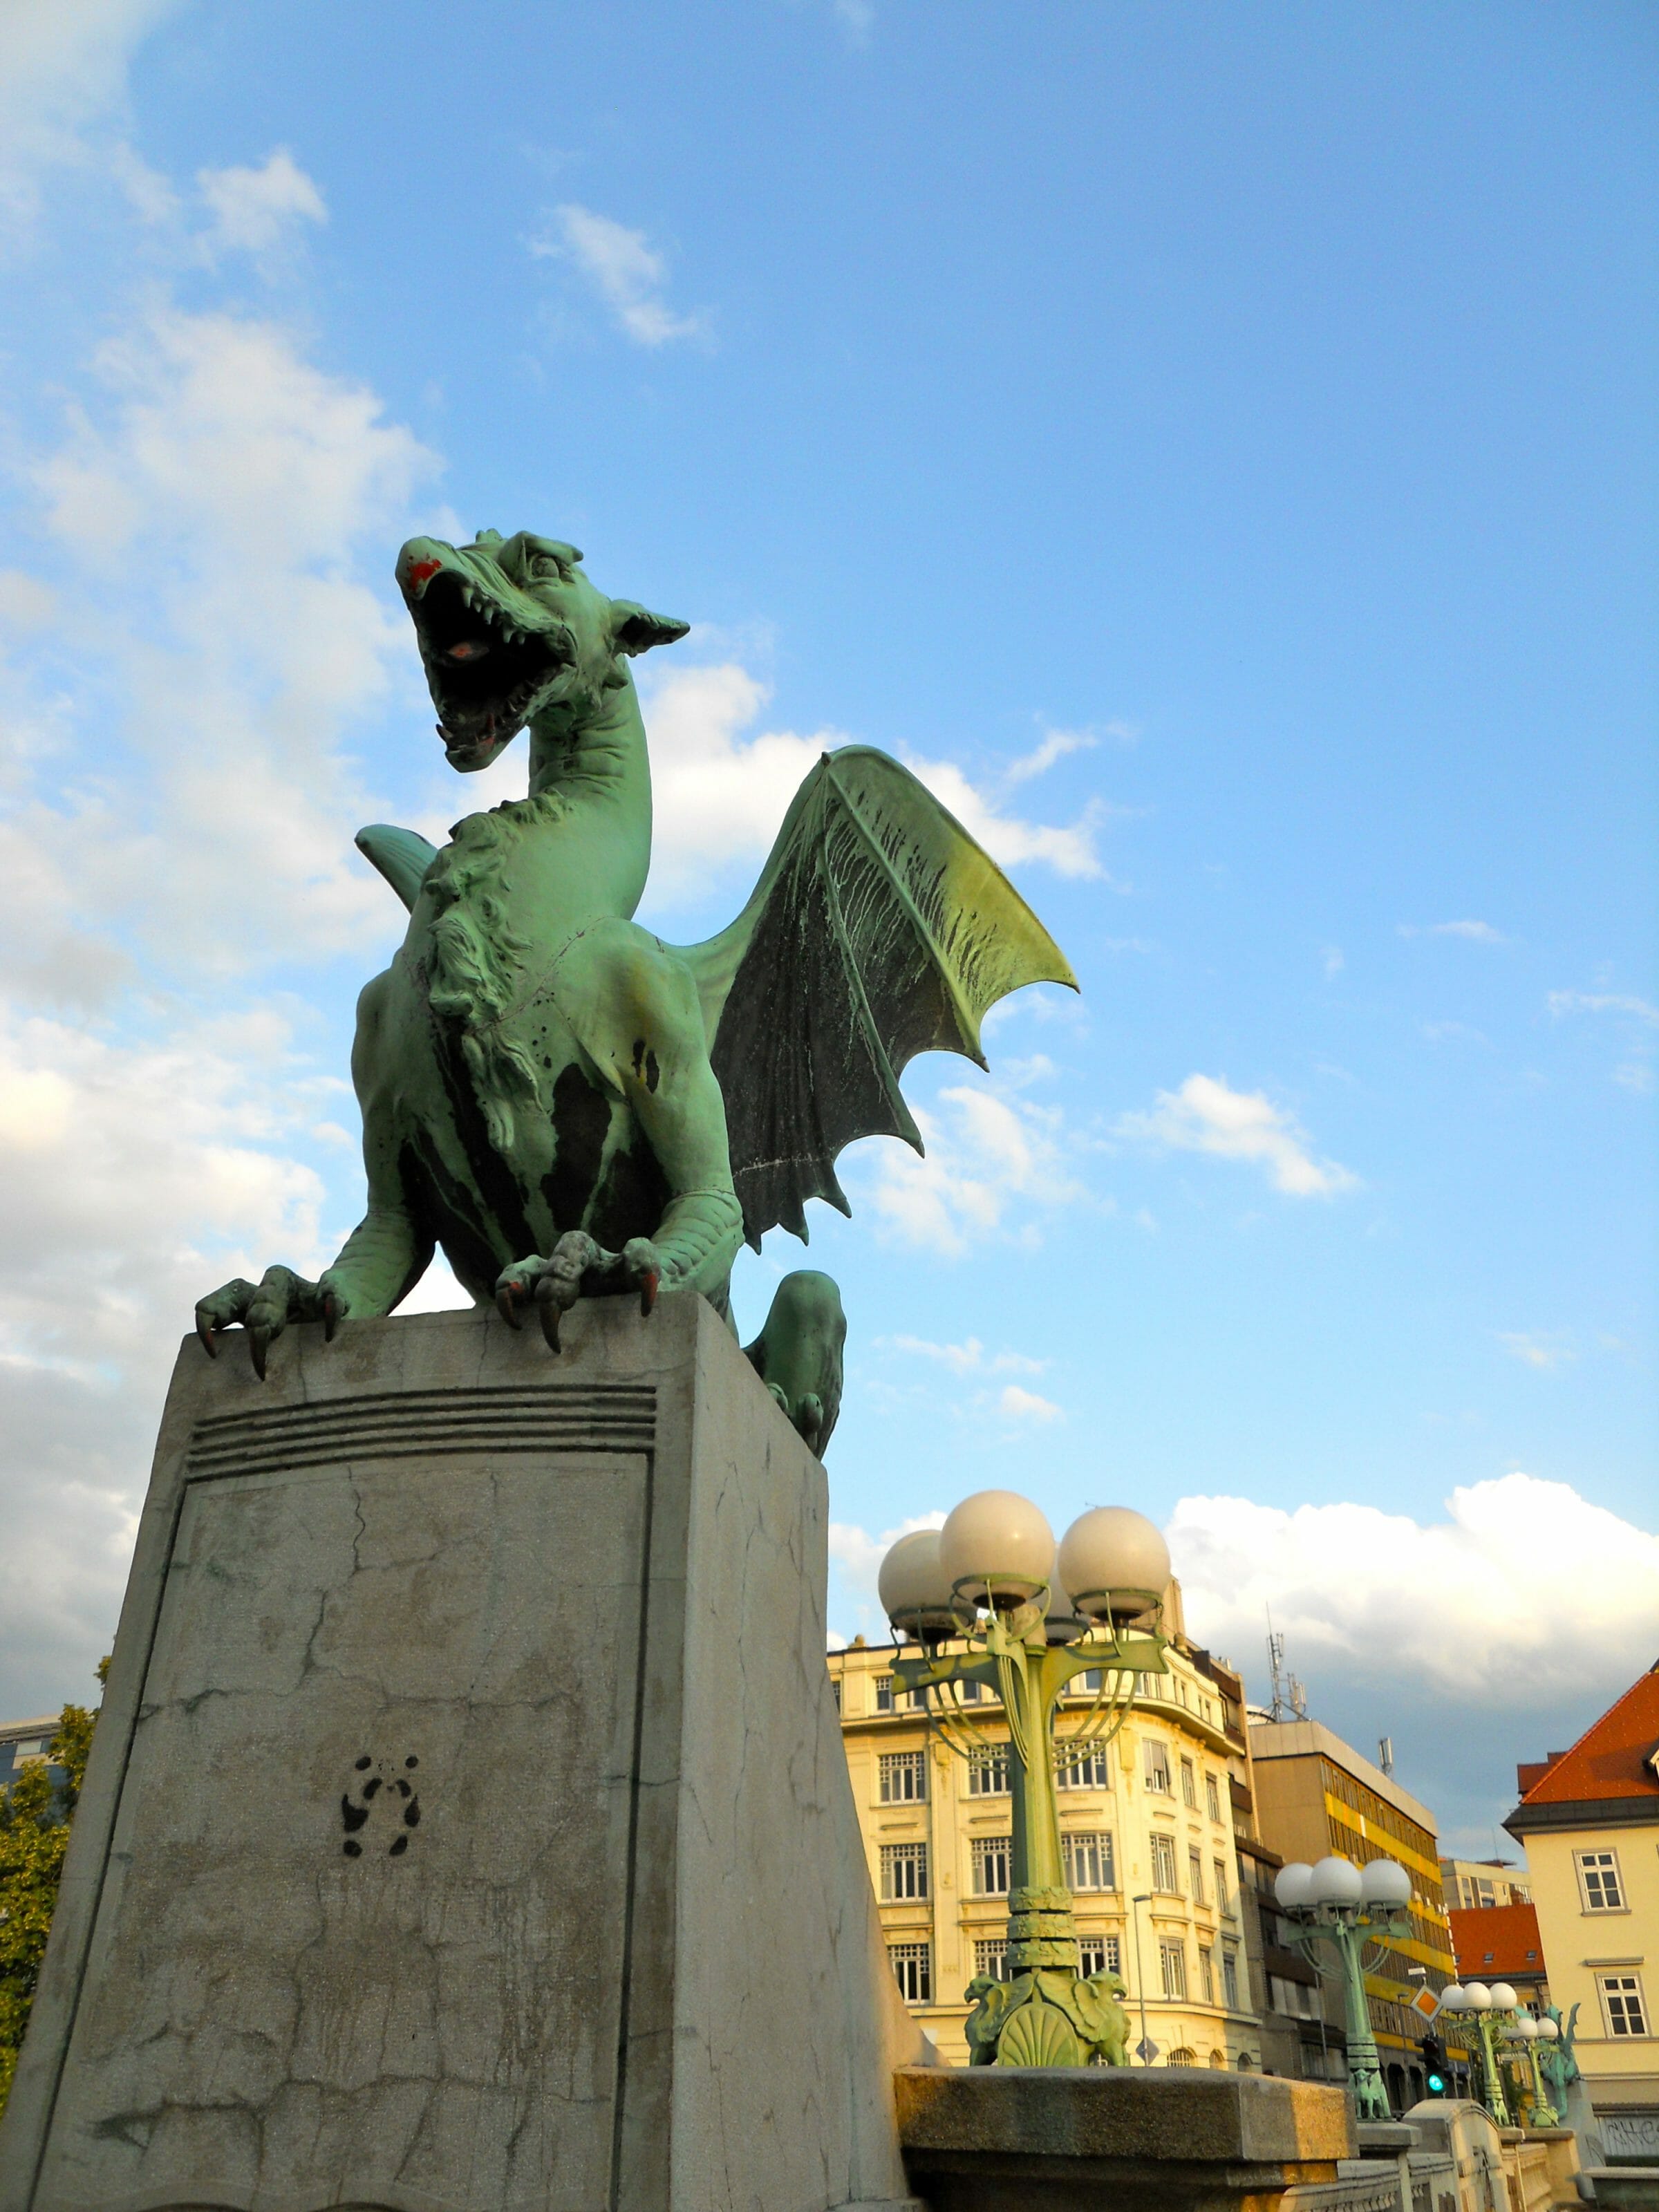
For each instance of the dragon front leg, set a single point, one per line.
(635, 1008)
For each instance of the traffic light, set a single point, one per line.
(1435, 2071)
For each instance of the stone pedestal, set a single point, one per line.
(1138, 2139)
(467, 1828)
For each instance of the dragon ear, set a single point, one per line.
(635, 628)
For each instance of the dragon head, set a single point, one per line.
(509, 629)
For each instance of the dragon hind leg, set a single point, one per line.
(798, 1355)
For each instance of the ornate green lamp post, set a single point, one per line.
(1475, 2002)
(1528, 2037)
(991, 1603)
(1347, 1908)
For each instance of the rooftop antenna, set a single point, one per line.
(1290, 1699)
(1385, 1753)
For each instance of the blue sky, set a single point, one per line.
(1214, 448)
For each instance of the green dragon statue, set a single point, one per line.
(568, 1105)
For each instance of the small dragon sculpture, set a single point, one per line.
(565, 1103)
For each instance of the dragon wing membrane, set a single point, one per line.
(878, 930)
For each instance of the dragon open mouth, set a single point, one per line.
(487, 673)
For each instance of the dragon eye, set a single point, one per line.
(545, 565)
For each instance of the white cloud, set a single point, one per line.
(210, 501)
(1535, 1350)
(965, 1358)
(1026, 1406)
(993, 1166)
(1524, 1594)
(1206, 1116)
(857, 1556)
(720, 796)
(1604, 1002)
(628, 273)
(1332, 961)
(255, 210)
(1478, 933)
(63, 87)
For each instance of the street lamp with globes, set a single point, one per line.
(1348, 1907)
(1025, 1618)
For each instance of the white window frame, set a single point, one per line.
(1598, 1872)
(982, 1849)
(1089, 1769)
(991, 1957)
(1196, 1873)
(1163, 1862)
(904, 1872)
(1089, 1851)
(918, 1989)
(1206, 1972)
(1172, 1954)
(1229, 1975)
(896, 1767)
(1155, 1765)
(885, 1693)
(1622, 2001)
(1189, 1785)
(1212, 1794)
(987, 1773)
(1223, 1894)
(1100, 1954)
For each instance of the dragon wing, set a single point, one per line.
(878, 930)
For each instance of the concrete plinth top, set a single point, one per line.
(1190, 2114)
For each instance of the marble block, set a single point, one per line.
(467, 1828)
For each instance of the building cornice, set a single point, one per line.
(1585, 1812)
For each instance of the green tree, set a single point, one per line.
(34, 1828)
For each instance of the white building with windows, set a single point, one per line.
(1589, 1821)
(1145, 1826)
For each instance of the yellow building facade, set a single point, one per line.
(1589, 1818)
(1315, 1797)
(1148, 1817)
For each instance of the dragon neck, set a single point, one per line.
(593, 755)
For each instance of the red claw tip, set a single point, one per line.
(649, 1285)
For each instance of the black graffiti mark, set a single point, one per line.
(356, 1812)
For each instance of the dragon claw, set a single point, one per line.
(650, 1282)
(550, 1306)
(330, 1317)
(258, 1343)
(505, 1307)
(204, 1331)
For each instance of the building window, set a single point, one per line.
(903, 1776)
(1189, 1784)
(1294, 1998)
(991, 1957)
(1164, 1864)
(1196, 1877)
(1088, 1861)
(971, 1692)
(987, 1774)
(883, 1693)
(1229, 1975)
(991, 1858)
(1223, 1901)
(1172, 1965)
(835, 1686)
(1157, 1766)
(913, 1970)
(904, 1872)
(1206, 1973)
(1088, 1771)
(1212, 1797)
(1621, 2000)
(1099, 1954)
(1088, 1681)
(1598, 1882)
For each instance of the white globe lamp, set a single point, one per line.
(1060, 1622)
(1291, 1885)
(1384, 1882)
(1114, 1564)
(1527, 2028)
(1503, 1998)
(1546, 2029)
(1335, 1882)
(1477, 1997)
(996, 1549)
(1453, 1997)
(913, 1588)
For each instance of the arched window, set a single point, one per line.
(1183, 2056)
(1245, 2062)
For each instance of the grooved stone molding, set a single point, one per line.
(467, 1828)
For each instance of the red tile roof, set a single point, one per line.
(1508, 1932)
(1610, 1759)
